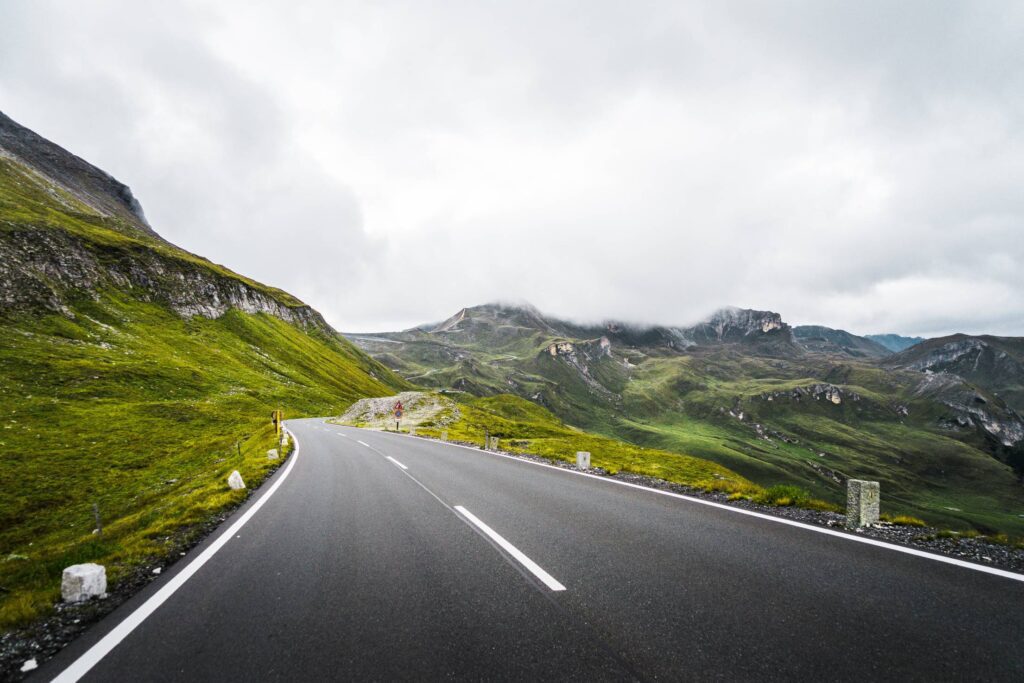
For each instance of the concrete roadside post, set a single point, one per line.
(862, 499)
(583, 460)
(493, 446)
(235, 481)
(412, 431)
(444, 435)
(83, 581)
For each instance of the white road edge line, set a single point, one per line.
(101, 649)
(515, 552)
(396, 462)
(771, 518)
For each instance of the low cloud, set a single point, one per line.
(849, 165)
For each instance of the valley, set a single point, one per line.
(807, 406)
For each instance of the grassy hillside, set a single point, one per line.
(139, 411)
(945, 477)
(524, 427)
(766, 415)
(115, 394)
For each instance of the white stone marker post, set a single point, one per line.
(83, 581)
(444, 435)
(862, 498)
(235, 481)
(583, 460)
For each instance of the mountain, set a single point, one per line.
(995, 364)
(894, 342)
(809, 405)
(827, 340)
(134, 376)
(70, 180)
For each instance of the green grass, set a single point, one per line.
(139, 411)
(524, 427)
(680, 403)
(903, 520)
(120, 403)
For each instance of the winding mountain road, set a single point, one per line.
(374, 556)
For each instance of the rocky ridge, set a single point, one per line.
(91, 186)
(107, 245)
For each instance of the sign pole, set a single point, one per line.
(398, 416)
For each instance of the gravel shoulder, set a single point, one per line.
(972, 549)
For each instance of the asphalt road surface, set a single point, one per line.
(375, 556)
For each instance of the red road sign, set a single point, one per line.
(398, 410)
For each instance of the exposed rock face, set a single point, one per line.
(828, 392)
(995, 365)
(990, 363)
(563, 348)
(736, 324)
(45, 267)
(955, 353)
(580, 356)
(970, 409)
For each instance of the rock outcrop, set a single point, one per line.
(103, 243)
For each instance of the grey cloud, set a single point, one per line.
(855, 165)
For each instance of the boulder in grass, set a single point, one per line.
(83, 581)
(235, 481)
(272, 454)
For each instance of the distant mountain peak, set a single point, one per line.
(894, 342)
(832, 341)
(748, 320)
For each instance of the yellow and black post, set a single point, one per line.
(276, 417)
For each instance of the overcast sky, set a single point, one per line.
(856, 164)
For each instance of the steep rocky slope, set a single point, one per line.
(134, 376)
(995, 364)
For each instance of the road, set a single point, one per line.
(368, 559)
